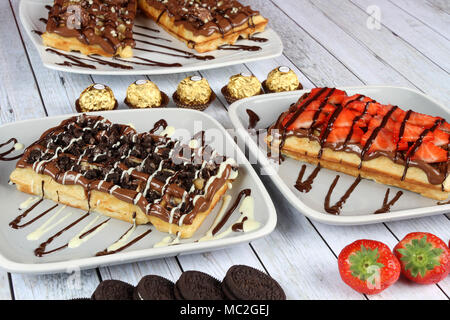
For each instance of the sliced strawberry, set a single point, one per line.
(337, 97)
(315, 105)
(440, 138)
(338, 134)
(422, 120)
(445, 127)
(383, 109)
(305, 120)
(391, 125)
(345, 118)
(430, 153)
(384, 141)
(349, 101)
(411, 133)
(398, 115)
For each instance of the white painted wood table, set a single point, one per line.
(328, 43)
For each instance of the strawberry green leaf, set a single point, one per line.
(363, 263)
(419, 256)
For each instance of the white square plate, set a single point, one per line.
(33, 10)
(368, 196)
(16, 252)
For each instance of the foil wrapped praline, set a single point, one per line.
(282, 79)
(242, 86)
(143, 94)
(97, 97)
(194, 91)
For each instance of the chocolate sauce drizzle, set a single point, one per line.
(184, 54)
(257, 39)
(253, 119)
(336, 208)
(40, 251)
(106, 252)
(306, 186)
(151, 37)
(375, 132)
(236, 47)
(388, 204)
(227, 215)
(7, 152)
(417, 144)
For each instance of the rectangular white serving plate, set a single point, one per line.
(32, 10)
(16, 252)
(368, 196)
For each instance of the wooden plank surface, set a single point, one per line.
(327, 43)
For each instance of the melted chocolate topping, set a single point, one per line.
(388, 204)
(153, 172)
(207, 17)
(106, 252)
(236, 47)
(306, 186)
(253, 119)
(336, 208)
(107, 24)
(7, 152)
(227, 215)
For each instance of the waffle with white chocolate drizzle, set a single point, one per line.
(89, 163)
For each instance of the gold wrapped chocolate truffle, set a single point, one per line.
(194, 93)
(241, 86)
(145, 94)
(96, 97)
(282, 79)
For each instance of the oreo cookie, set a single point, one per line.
(195, 285)
(113, 290)
(247, 283)
(154, 287)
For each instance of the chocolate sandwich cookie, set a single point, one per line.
(195, 285)
(154, 287)
(246, 283)
(113, 290)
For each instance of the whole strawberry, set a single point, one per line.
(368, 266)
(424, 257)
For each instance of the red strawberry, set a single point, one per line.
(398, 115)
(384, 141)
(314, 106)
(383, 109)
(339, 135)
(430, 153)
(337, 97)
(445, 127)
(361, 106)
(305, 120)
(345, 119)
(440, 138)
(424, 257)
(422, 120)
(368, 266)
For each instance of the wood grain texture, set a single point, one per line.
(434, 13)
(431, 44)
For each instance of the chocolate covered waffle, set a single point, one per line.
(90, 163)
(204, 25)
(92, 27)
(361, 137)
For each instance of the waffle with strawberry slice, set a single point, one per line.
(362, 137)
